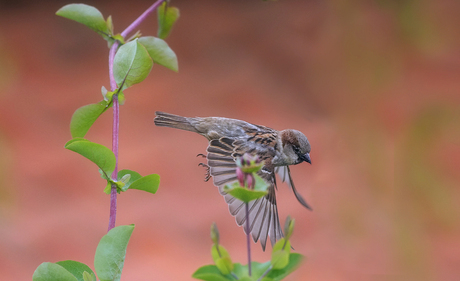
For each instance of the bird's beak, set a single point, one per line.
(306, 157)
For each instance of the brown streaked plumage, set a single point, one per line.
(230, 138)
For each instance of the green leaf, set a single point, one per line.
(294, 261)
(89, 276)
(109, 24)
(167, 16)
(261, 184)
(218, 252)
(76, 268)
(210, 273)
(280, 254)
(84, 117)
(108, 188)
(49, 271)
(133, 177)
(86, 15)
(149, 183)
(132, 64)
(257, 269)
(224, 265)
(280, 259)
(282, 244)
(96, 153)
(111, 252)
(244, 194)
(222, 259)
(160, 52)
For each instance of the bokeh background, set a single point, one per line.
(373, 84)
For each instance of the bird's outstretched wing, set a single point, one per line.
(263, 212)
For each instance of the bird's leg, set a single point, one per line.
(208, 171)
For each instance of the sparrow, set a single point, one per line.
(231, 138)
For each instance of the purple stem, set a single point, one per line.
(141, 18)
(248, 239)
(116, 109)
(116, 122)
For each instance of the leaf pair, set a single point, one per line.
(135, 59)
(106, 161)
(108, 261)
(93, 18)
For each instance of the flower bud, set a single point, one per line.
(250, 181)
(249, 163)
(289, 227)
(240, 176)
(215, 234)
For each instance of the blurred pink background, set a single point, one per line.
(373, 84)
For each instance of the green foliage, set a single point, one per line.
(108, 261)
(87, 15)
(89, 276)
(294, 261)
(222, 259)
(167, 17)
(212, 273)
(127, 179)
(49, 271)
(96, 153)
(134, 177)
(281, 264)
(289, 227)
(77, 269)
(148, 183)
(246, 195)
(132, 64)
(280, 254)
(111, 252)
(160, 52)
(84, 117)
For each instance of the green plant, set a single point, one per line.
(130, 62)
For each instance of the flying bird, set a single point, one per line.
(231, 138)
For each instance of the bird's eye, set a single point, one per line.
(296, 150)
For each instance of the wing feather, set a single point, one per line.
(263, 212)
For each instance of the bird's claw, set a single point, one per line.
(208, 172)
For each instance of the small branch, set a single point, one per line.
(115, 127)
(248, 239)
(141, 18)
(116, 108)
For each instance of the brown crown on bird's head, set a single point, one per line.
(296, 145)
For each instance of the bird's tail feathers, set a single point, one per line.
(164, 119)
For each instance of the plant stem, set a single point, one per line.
(141, 18)
(115, 133)
(116, 121)
(248, 239)
(116, 108)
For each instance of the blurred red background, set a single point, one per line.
(373, 84)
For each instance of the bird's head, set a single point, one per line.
(295, 146)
